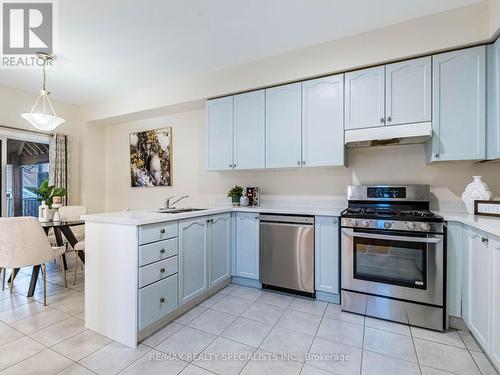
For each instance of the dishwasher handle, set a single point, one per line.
(287, 219)
(281, 224)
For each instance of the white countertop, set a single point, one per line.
(490, 225)
(150, 216)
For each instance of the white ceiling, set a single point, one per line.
(106, 46)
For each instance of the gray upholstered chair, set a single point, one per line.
(23, 243)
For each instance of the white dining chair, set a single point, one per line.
(69, 213)
(80, 246)
(23, 243)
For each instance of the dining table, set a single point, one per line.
(60, 229)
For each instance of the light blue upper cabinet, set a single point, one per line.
(365, 98)
(283, 126)
(220, 134)
(249, 130)
(459, 108)
(323, 121)
(326, 254)
(493, 101)
(219, 248)
(193, 258)
(247, 245)
(408, 92)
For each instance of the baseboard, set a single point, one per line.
(243, 281)
(457, 323)
(328, 297)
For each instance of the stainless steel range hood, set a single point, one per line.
(388, 135)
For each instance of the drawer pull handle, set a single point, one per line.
(162, 231)
(162, 300)
(162, 251)
(162, 270)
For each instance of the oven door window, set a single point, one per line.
(391, 262)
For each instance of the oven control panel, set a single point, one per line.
(413, 226)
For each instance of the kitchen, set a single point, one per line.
(314, 217)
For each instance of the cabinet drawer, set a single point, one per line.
(156, 232)
(157, 251)
(157, 271)
(157, 300)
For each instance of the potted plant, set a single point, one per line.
(235, 193)
(47, 193)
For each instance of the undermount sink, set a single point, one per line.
(178, 210)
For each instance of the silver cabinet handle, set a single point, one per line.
(234, 165)
(485, 240)
(162, 251)
(162, 270)
(230, 165)
(382, 120)
(162, 231)
(303, 162)
(298, 162)
(436, 155)
(162, 300)
(389, 119)
(334, 221)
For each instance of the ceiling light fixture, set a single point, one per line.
(43, 120)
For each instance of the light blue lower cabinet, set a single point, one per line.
(193, 258)
(327, 266)
(246, 250)
(157, 300)
(219, 248)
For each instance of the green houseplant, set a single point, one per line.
(46, 192)
(235, 193)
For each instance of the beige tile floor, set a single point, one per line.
(237, 331)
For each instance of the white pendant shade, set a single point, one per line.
(43, 121)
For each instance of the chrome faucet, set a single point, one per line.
(167, 201)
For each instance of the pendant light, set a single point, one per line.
(43, 120)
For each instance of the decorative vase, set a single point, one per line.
(236, 201)
(244, 201)
(476, 190)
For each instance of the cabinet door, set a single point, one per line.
(250, 130)
(454, 249)
(323, 121)
(478, 285)
(408, 91)
(459, 108)
(326, 254)
(283, 126)
(493, 101)
(495, 319)
(247, 245)
(220, 245)
(193, 258)
(220, 134)
(364, 98)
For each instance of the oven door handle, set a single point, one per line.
(351, 233)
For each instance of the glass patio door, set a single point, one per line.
(25, 165)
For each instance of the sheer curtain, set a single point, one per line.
(59, 162)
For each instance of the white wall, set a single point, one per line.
(13, 102)
(397, 164)
(456, 28)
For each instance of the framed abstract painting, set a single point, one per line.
(151, 158)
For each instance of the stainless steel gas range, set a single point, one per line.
(393, 255)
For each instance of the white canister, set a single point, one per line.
(476, 190)
(43, 213)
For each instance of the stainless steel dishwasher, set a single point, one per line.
(287, 252)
